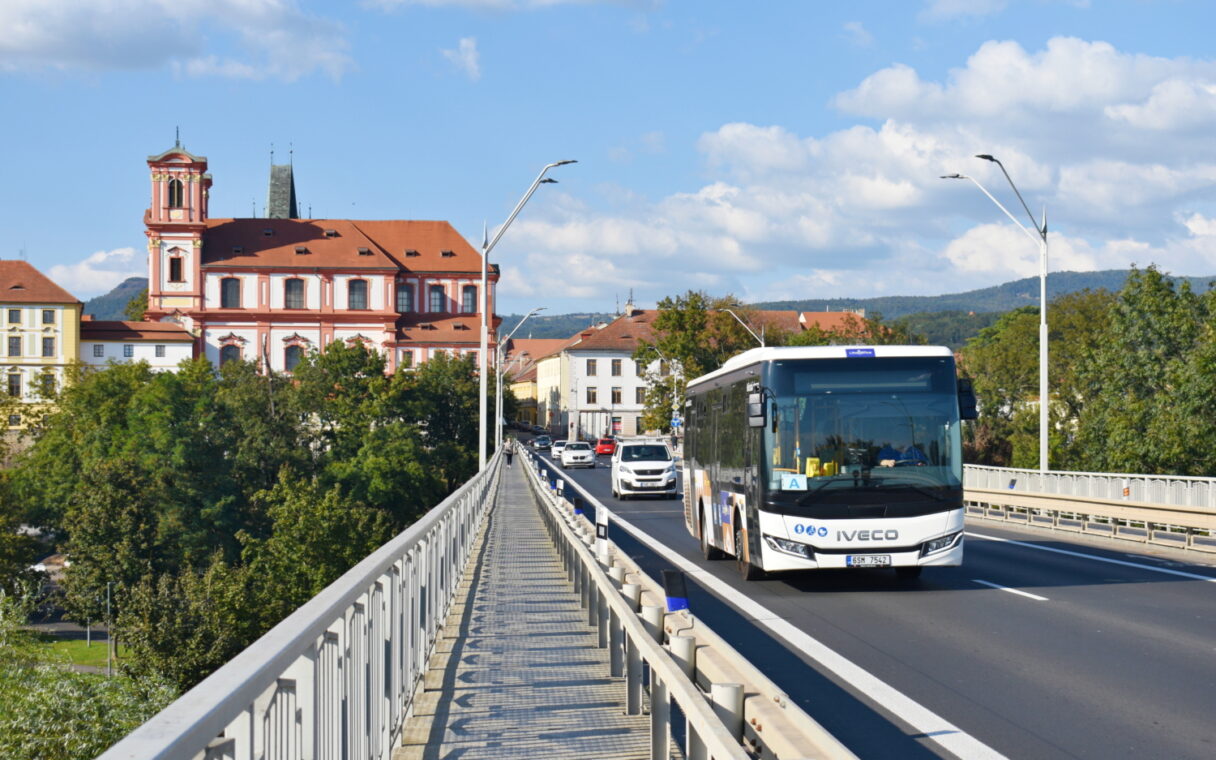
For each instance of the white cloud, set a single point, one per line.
(100, 272)
(856, 33)
(465, 58)
(1114, 144)
(247, 39)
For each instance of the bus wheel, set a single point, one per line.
(908, 573)
(747, 570)
(707, 551)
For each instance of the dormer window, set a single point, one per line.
(267, 232)
(365, 251)
(411, 253)
(447, 254)
(331, 233)
(176, 193)
(301, 250)
(237, 250)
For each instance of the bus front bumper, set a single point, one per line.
(789, 543)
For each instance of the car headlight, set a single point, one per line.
(785, 546)
(940, 544)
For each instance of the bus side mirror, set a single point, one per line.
(967, 403)
(755, 410)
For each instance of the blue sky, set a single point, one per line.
(765, 149)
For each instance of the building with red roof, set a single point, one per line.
(272, 289)
(42, 333)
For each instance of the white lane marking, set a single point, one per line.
(1096, 558)
(924, 721)
(1012, 590)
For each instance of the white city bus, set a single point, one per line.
(828, 457)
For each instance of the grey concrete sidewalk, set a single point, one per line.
(517, 672)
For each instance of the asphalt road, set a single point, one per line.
(1037, 647)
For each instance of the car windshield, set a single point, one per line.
(578, 447)
(606, 442)
(654, 453)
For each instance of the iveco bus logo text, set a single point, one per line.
(810, 530)
(867, 535)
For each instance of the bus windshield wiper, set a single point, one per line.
(923, 490)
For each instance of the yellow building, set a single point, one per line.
(41, 323)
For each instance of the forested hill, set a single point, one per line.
(111, 305)
(552, 326)
(1011, 295)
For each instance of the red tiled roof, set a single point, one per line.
(155, 332)
(527, 376)
(385, 245)
(775, 320)
(535, 348)
(621, 334)
(20, 282)
(422, 328)
(833, 320)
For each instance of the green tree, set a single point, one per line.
(1153, 355)
(135, 308)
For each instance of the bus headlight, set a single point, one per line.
(940, 544)
(801, 551)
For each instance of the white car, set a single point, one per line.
(556, 450)
(577, 454)
(643, 467)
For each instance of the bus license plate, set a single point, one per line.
(868, 560)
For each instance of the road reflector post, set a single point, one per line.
(632, 592)
(684, 652)
(652, 620)
(578, 505)
(728, 704)
(676, 590)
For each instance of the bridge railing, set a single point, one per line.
(336, 677)
(1163, 509)
(1172, 490)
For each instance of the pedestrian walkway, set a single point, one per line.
(517, 672)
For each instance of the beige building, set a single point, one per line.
(41, 324)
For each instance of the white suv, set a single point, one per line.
(642, 467)
(577, 454)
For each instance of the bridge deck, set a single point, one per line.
(517, 672)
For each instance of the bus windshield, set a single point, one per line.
(862, 423)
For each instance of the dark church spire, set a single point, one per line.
(281, 203)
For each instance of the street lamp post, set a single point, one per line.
(745, 327)
(498, 356)
(487, 245)
(1040, 236)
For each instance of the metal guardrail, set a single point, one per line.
(1172, 490)
(755, 710)
(1161, 509)
(636, 643)
(334, 679)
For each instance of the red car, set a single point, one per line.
(605, 446)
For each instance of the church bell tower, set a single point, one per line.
(175, 221)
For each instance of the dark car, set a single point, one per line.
(605, 446)
(542, 442)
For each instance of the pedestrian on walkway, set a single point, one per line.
(510, 452)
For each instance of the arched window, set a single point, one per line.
(292, 357)
(437, 298)
(176, 266)
(293, 293)
(356, 294)
(229, 353)
(175, 193)
(230, 293)
(468, 299)
(405, 298)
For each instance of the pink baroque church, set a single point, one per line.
(272, 289)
